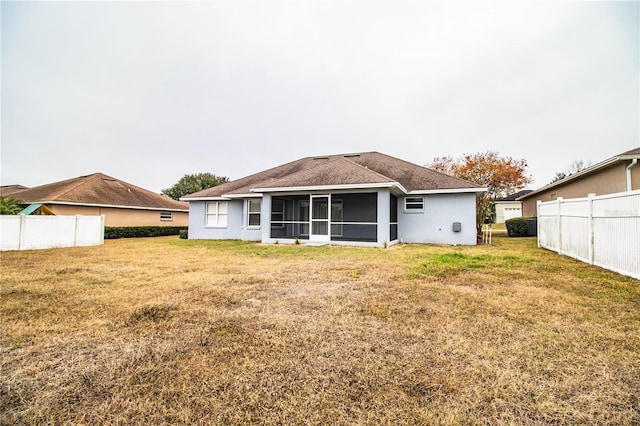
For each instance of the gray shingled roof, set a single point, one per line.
(99, 189)
(343, 169)
(515, 196)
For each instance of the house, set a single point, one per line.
(7, 191)
(508, 207)
(368, 199)
(619, 173)
(97, 194)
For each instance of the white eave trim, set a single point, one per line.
(234, 196)
(257, 192)
(205, 199)
(69, 203)
(446, 191)
(331, 187)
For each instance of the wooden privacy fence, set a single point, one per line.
(21, 232)
(600, 230)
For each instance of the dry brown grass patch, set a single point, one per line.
(166, 331)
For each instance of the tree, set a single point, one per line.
(500, 175)
(188, 184)
(10, 205)
(575, 167)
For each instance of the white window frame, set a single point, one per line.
(213, 217)
(253, 213)
(168, 216)
(412, 205)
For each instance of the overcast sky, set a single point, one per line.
(149, 91)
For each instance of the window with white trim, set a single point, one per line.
(253, 212)
(414, 204)
(216, 213)
(166, 216)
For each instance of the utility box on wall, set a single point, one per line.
(457, 227)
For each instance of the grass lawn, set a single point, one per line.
(170, 331)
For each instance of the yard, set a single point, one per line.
(170, 331)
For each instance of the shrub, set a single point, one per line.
(184, 234)
(517, 227)
(111, 233)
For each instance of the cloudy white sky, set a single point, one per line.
(149, 91)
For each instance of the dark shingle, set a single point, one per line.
(99, 189)
(343, 169)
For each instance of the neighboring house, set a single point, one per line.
(617, 174)
(97, 194)
(508, 207)
(7, 191)
(367, 199)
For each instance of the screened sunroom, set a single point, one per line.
(330, 217)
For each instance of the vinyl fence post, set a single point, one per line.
(538, 221)
(75, 232)
(591, 231)
(559, 217)
(101, 229)
(23, 219)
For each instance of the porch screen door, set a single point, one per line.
(319, 218)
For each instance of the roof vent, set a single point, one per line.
(320, 158)
(351, 155)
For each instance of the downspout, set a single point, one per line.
(633, 163)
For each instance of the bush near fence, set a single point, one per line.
(517, 227)
(111, 233)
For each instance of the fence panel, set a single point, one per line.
(603, 230)
(39, 232)
(548, 227)
(90, 231)
(574, 219)
(616, 233)
(10, 230)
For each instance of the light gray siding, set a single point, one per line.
(434, 225)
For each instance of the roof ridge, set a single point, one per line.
(81, 180)
(367, 169)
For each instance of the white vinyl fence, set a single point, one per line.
(602, 230)
(20, 232)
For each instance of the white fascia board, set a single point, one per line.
(206, 199)
(69, 203)
(225, 197)
(446, 191)
(235, 196)
(331, 187)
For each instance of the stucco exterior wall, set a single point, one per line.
(435, 224)
(606, 181)
(236, 228)
(122, 217)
